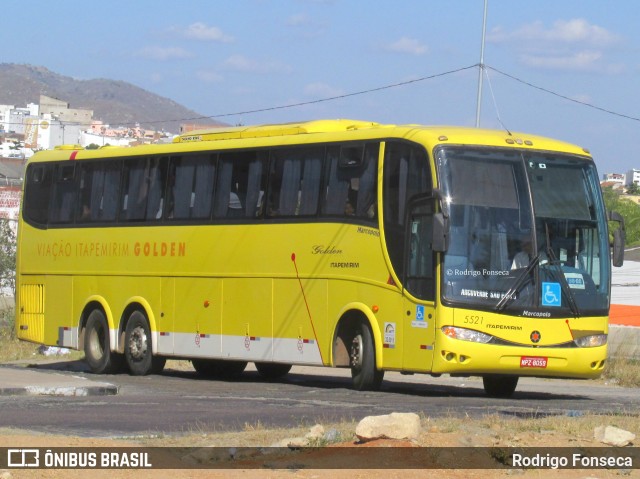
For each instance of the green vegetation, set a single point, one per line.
(629, 210)
(7, 256)
(623, 372)
(11, 349)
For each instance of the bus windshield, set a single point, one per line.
(528, 233)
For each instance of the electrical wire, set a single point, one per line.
(293, 105)
(564, 97)
(377, 89)
(332, 98)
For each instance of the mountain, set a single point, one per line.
(117, 103)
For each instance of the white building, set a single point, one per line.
(13, 120)
(633, 176)
(88, 138)
(52, 132)
(614, 178)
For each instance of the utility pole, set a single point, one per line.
(481, 69)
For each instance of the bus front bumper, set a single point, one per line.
(454, 356)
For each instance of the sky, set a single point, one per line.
(566, 69)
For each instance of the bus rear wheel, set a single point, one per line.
(273, 370)
(362, 359)
(137, 347)
(500, 386)
(97, 352)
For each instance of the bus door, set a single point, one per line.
(419, 288)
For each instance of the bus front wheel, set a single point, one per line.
(137, 347)
(97, 352)
(500, 386)
(362, 359)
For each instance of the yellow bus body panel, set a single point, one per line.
(273, 292)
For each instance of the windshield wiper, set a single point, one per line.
(518, 284)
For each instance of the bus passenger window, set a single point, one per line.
(99, 188)
(191, 186)
(38, 193)
(294, 183)
(64, 195)
(240, 185)
(143, 197)
(352, 181)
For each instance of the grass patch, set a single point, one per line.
(488, 430)
(623, 371)
(12, 349)
(256, 435)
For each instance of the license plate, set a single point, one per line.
(533, 362)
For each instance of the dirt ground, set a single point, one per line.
(564, 431)
(267, 468)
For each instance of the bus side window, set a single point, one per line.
(335, 202)
(406, 177)
(240, 185)
(38, 193)
(191, 186)
(143, 197)
(294, 183)
(64, 194)
(367, 183)
(352, 181)
(99, 188)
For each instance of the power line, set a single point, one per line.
(564, 97)
(372, 90)
(293, 105)
(331, 98)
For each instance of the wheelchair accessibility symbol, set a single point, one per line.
(551, 294)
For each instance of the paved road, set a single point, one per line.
(178, 401)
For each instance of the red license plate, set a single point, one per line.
(533, 362)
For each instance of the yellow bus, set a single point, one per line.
(329, 243)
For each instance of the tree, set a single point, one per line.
(633, 189)
(7, 257)
(629, 210)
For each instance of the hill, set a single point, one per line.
(114, 102)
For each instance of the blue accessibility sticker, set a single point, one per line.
(551, 294)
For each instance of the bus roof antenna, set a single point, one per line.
(481, 65)
(495, 103)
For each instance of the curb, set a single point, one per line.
(107, 390)
(24, 381)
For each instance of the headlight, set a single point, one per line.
(466, 334)
(591, 341)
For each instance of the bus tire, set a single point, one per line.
(273, 370)
(500, 386)
(218, 368)
(362, 359)
(137, 347)
(97, 352)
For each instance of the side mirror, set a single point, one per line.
(440, 240)
(618, 247)
(619, 237)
